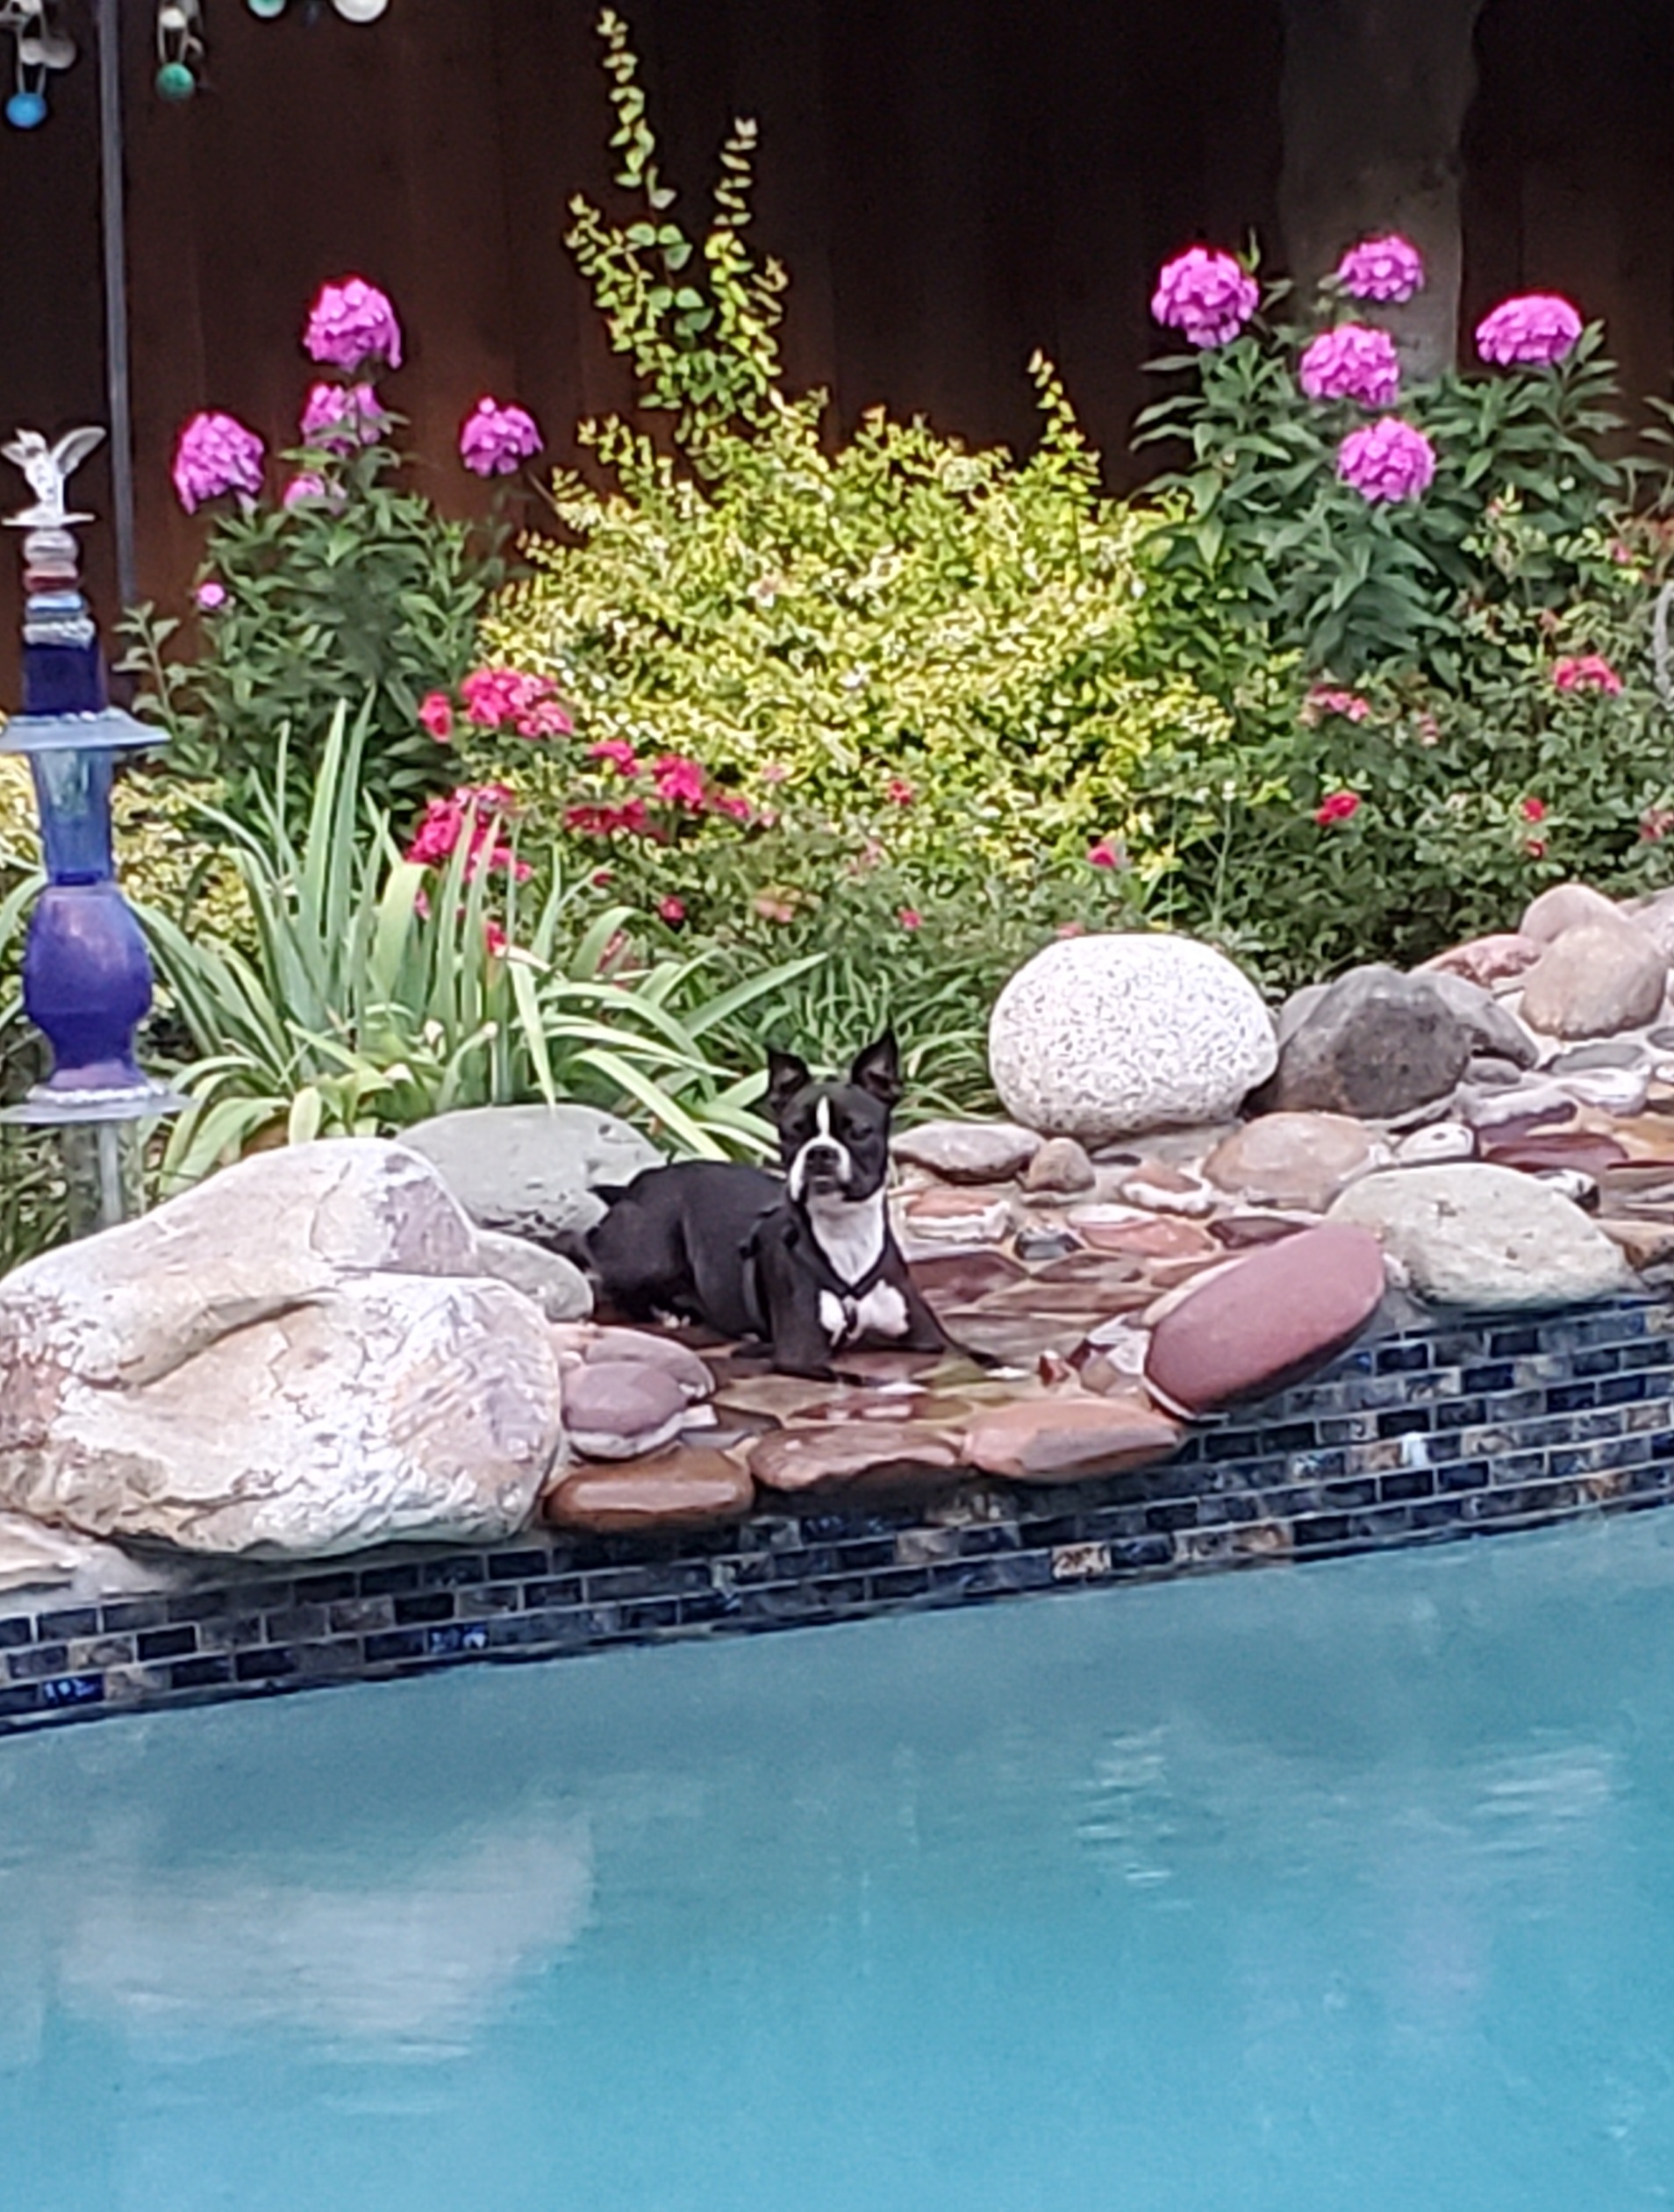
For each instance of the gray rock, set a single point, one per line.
(1441, 1140)
(1378, 1045)
(1595, 980)
(1295, 1010)
(1655, 916)
(967, 1151)
(1290, 1159)
(557, 1285)
(596, 1345)
(531, 1170)
(1472, 1235)
(281, 1364)
(1490, 1029)
(1492, 1074)
(1101, 1036)
(1611, 1052)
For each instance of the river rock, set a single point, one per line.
(685, 1489)
(1477, 1236)
(533, 1171)
(1486, 961)
(1595, 979)
(1061, 1167)
(278, 1363)
(1261, 1323)
(1655, 916)
(1291, 1159)
(861, 1455)
(967, 1151)
(1437, 1141)
(557, 1285)
(622, 1408)
(1073, 1438)
(1101, 1036)
(1376, 1045)
(1565, 906)
(1493, 1031)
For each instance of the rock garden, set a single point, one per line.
(1267, 876)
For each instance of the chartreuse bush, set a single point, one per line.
(890, 699)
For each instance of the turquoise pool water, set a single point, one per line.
(1347, 1890)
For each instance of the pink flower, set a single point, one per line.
(1071, 929)
(618, 753)
(436, 714)
(605, 821)
(337, 417)
(494, 939)
(672, 909)
(910, 917)
(1353, 362)
(444, 822)
(1534, 328)
(1103, 854)
(1390, 268)
(1323, 700)
(495, 697)
(1386, 460)
(600, 877)
(1208, 296)
(351, 323)
(1590, 672)
(776, 772)
(1340, 807)
(545, 719)
(1536, 847)
(437, 833)
(899, 792)
(305, 486)
(216, 454)
(1656, 823)
(678, 780)
(493, 439)
(772, 908)
(1534, 810)
(210, 595)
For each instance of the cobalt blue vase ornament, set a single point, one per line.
(86, 974)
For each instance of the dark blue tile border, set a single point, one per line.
(1425, 1433)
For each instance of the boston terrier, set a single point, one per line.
(806, 1261)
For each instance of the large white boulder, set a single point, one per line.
(299, 1357)
(1100, 1037)
(1471, 1234)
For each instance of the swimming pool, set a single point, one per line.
(1332, 1891)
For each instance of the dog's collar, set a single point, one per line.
(806, 1253)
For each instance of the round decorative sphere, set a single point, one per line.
(359, 10)
(25, 110)
(1100, 1037)
(267, 8)
(176, 80)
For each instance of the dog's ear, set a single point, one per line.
(878, 1069)
(786, 1075)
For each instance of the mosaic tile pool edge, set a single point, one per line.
(1419, 1434)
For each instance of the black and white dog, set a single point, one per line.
(808, 1261)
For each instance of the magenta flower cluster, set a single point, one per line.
(337, 417)
(493, 438)
(351, 324)
(1388, 268)
(1387, 459)
(216, 454)
(1205, 295)
(1535, 329)
(1352, 362)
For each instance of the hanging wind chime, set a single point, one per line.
(41, 45)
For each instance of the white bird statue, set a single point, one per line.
(48, 469)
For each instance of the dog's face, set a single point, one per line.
(834, 1137)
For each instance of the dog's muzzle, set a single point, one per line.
(822, 1167)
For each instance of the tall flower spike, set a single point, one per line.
(1205, 295)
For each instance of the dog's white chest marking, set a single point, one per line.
(851, 1233)
(881, 1312)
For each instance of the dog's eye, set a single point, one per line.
(855, 1132)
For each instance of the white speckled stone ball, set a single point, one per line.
(1100, 1037)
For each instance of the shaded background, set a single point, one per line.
(951, 183)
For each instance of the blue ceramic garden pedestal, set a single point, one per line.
(87, 982)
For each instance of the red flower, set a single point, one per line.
(678, 780)
(671, 909)
(1656, 823)
(436, 713)
(1590, 672)
(1534, 810)
(1536, 847)
(600, 877)
(1071, 929)
(910, 917)
(1323, 700)
(545, 719)
(494, 937)
(734, 804)
(1339, 806)
(605, 821)
(899, 792)
(1104, 853)
(618, 753)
